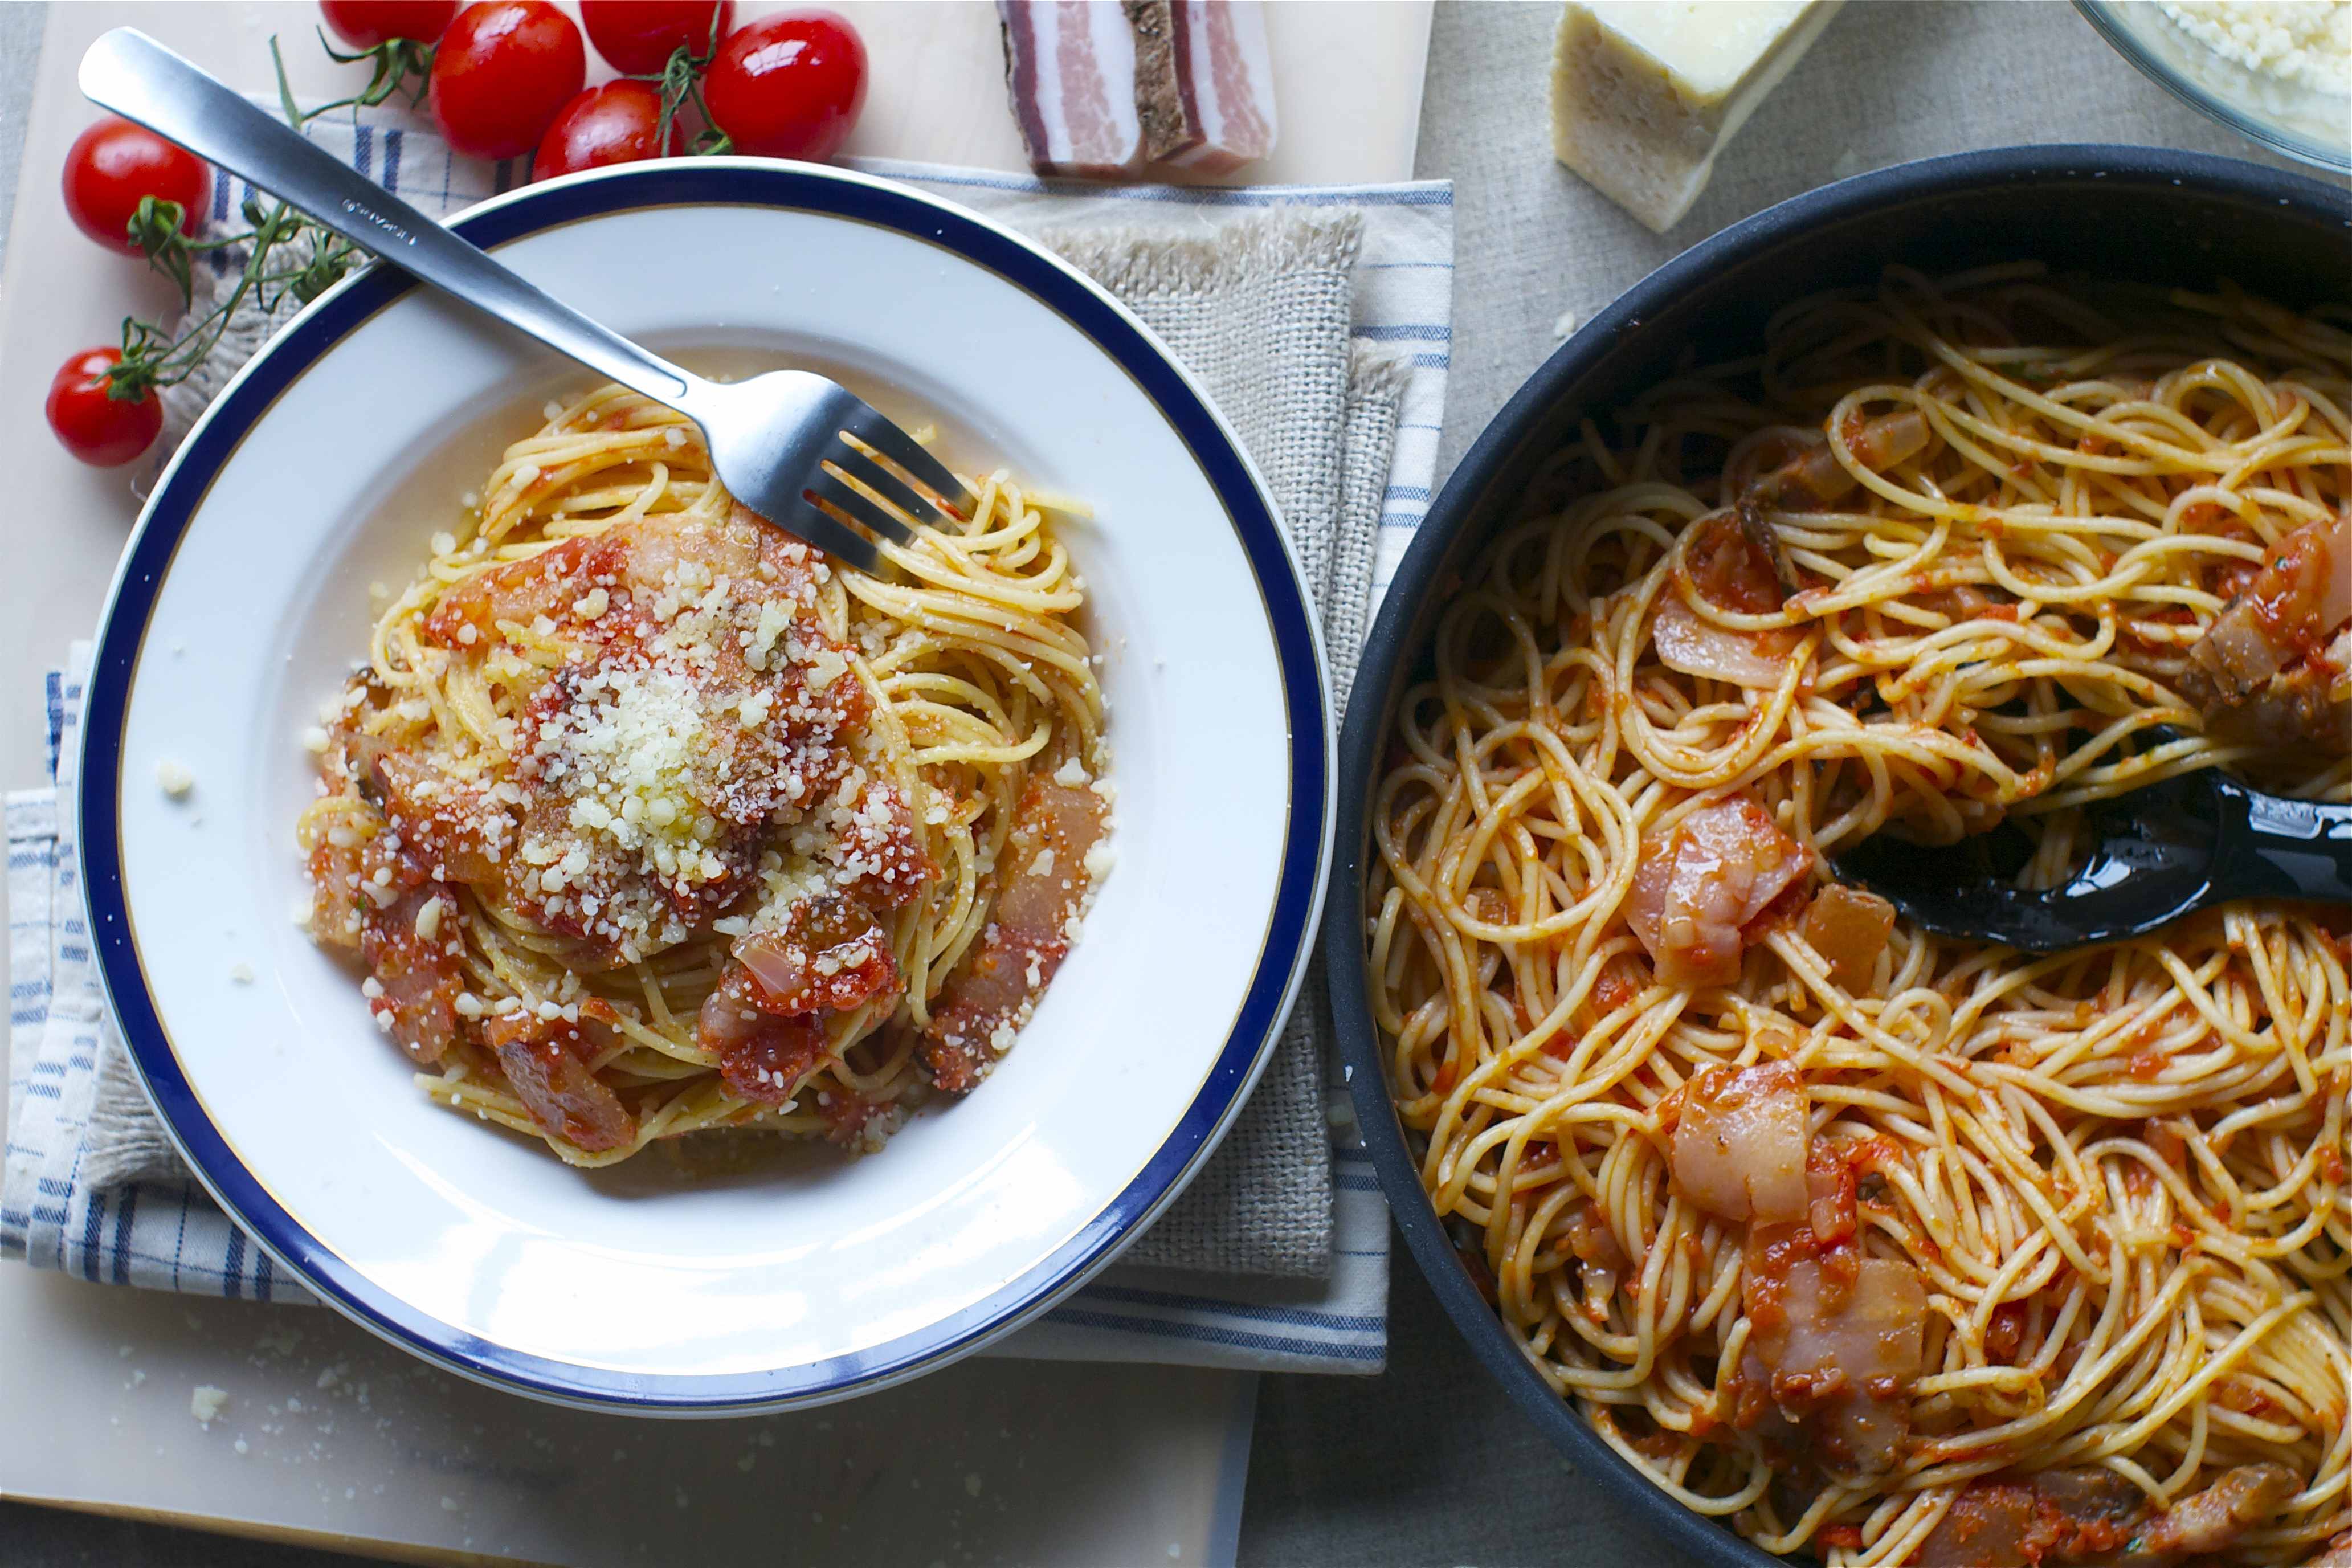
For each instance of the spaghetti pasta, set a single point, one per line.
(648, 820)
(1880, 1245)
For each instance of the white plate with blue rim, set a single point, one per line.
(243, 599)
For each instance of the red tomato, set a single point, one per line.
(788, 86)
(113, 163)
(615, 124)
(364, 23)
(102, 431)
(502, 73)
(639, 36)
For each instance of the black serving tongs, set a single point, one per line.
(2158, 853)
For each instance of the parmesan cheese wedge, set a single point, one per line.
(1645, 95)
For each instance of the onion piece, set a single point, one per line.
(1815, 477)
(1849, 929)
(1690, 646)
(827, 953)
(1891, 438)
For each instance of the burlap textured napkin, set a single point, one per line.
(1259, 306)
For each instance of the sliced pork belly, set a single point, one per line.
(1225, 81)
(2275, 666)
(1070, 68)
(1740, 1145)
(1835, 1351)
(1701, 886)
(1043, 878)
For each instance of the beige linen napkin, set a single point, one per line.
(1261, 311)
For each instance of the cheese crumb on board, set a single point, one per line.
(208, 1402)
(1645, 95)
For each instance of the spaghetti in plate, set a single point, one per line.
(1882, 1246)
(646, 819)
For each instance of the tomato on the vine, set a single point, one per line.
(502, 73)
(788, 86)
(114, 163)
(103, 431)
(638, 37)
(619, 123)
(365, 23)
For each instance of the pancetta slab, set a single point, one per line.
(1224, 78)
(1070, 68)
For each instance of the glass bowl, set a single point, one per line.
(2304, 122)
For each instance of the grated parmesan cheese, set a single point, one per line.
(1100, 856)
(2308, 42)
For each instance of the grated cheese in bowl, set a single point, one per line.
(2308, 42)
(2276, 71)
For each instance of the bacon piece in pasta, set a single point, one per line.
(1739, 1144)
(1045, 879)
(1702, 881)
(549, 1064)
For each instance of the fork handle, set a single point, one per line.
(139, 78)
(2272, 847)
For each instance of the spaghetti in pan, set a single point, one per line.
(1883, 1247)
(646, 819)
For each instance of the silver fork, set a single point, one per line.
(786, 444)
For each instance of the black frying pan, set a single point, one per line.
(2142, 214)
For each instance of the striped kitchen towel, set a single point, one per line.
(168, 1233)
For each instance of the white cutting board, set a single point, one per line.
(1346, 82)
(988, 1461)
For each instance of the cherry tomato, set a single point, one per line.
(502, 73)
(788, 86)
(364, 23)
(639, 36)
(615, 124)
(113, 163)
(102, 431)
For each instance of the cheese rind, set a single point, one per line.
(1645, 95)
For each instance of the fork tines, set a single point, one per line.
(869, 427)
(843, 461)
(856, 479)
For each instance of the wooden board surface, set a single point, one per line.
(1346, 82)
(992, 1460)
